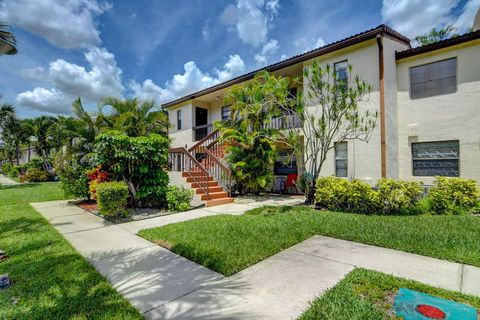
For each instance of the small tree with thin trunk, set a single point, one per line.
(329, 110)
(435, 35)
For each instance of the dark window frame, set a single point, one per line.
(340, 159)
(428, 95)
(228, 117)
(416, 159)
(179, 119)
(335, 69)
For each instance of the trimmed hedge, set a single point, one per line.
(454, 196)
(178, 198)
(387, 197)
(36, 175)
(112, 198)
(397, 196)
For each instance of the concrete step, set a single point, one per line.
(216, 188)
(217, 202)
(214, 195)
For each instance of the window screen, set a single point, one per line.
(341, 159)
(433, 79)
(226, 113)
(436, 158)
(179, 119)
(341, 70)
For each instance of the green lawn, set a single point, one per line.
(228, 244)
(50, 280)
(369, 295)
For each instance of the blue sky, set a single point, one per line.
(165, 49)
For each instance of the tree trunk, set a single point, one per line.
(17, 154)
(310, 194)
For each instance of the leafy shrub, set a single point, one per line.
(36, 175)
(6, 167)
(95, 176)
(179, 198)
(73, 178)
(139, 161)
(388, 197)
(397, 196)
(14, 172)
(453, 195)
(343, 195)
(36, 163)
(112, 198)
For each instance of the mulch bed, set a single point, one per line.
(88, 206)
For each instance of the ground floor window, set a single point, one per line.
(439, 158)
(341, 159)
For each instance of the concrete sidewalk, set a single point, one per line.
(4, 181)
(163, 285)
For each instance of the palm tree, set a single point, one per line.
(39, 128)
(133, 117)
(7, 40)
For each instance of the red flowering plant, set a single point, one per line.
(96, 176)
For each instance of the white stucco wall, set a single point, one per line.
(182, 137)
(445, 117)
(391, 107)
(364, 159)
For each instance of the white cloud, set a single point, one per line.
(267, 50)
(71, 80)
(465, 20)
(66, 24)
(251, 19)
(416, 17)
(53, 101)
(35, 73)
(305, 44)
(191, 80)
(104, 78)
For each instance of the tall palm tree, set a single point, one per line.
(133, 117)
(7, 40)
(39, 128)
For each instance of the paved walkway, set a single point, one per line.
(163, 285)
(4, 181)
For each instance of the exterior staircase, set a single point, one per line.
(202, 167)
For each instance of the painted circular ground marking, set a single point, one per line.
(430, 311)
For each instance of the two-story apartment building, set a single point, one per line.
(428, 99)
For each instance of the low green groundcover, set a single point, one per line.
(50, 280)
(369, 295)
(228, 244)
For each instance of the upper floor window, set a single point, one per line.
(179, 119)
(341, 159)
(341, 70)
(433, 79)
(226, 110)
(439, 158)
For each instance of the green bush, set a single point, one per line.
(36, 175)
(6, 167)
(339, 194)
(179, 198)
(397, 196)
(112, 198)
(388, 197)
(14, 172)
(73, 176)
(453, 196)
(139, 161)
(36, 163)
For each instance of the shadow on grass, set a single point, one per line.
(18, 186)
